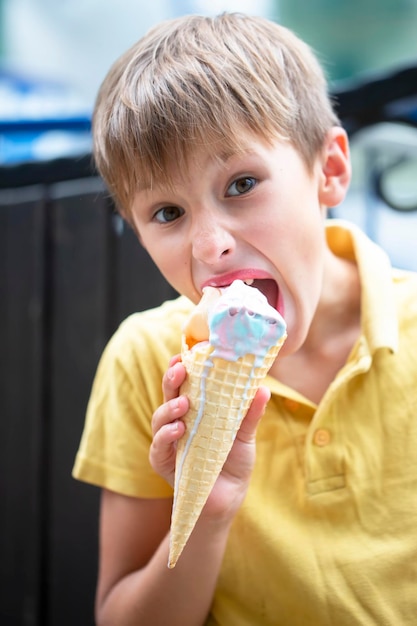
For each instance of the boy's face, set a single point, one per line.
(254, 216)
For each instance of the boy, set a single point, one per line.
(218, 141)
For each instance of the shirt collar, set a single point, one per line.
(378, 309)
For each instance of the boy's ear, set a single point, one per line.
(335, 168)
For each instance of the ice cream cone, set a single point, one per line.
(219, 392)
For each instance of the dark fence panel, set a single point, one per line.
(21, 407)
(70, 271)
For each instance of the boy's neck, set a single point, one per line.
(333, 333)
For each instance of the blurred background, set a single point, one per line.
(70, 269)
(54, 55)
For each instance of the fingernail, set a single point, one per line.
(174, 426)
(170, 374)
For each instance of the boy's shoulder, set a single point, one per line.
(153, 331)
(405, 290)
(170, 313)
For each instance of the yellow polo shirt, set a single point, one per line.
(327, 535)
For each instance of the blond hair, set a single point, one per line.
(205, 81)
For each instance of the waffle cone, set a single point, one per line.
(220, 393)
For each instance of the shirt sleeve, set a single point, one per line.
(127, 390)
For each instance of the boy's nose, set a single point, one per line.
(211, 242)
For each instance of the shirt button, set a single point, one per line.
(321, 437)
(291, 405)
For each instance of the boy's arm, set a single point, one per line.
(135, 584)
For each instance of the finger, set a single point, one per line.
(175, 359)
(256, 410)
(162, 451)
(169, 412)
(172, 380)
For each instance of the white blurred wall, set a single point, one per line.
(76, 41)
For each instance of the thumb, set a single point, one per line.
(256, 410)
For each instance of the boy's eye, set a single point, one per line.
(241, 185)
(168, 214)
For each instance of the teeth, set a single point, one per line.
(249, 282)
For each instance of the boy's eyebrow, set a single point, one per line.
(232, 151)
(225, 155)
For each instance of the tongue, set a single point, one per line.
(269, 288)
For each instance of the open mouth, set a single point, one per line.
(268, 287)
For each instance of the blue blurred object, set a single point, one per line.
(40, 120)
